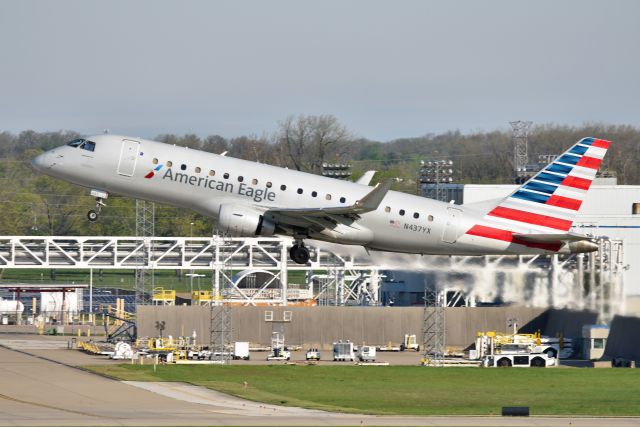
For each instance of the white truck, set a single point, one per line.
(241, 350)
(367, 353)
(518, 356)
(313, 354)
(343, 350)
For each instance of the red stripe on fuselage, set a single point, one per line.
(564, 202)
(600, 143)
(149, 175)
(589, 162)
(507, 236)
(531, 218)
(576, 182)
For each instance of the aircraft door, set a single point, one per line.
(452, 227)
(128, 157)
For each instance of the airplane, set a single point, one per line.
(253, 199)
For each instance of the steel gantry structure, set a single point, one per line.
(330, 278)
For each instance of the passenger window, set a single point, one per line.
(387, 209)
(155, 161)
(183, 167)
(169, 163)
(328, 196)
(89, 146)
(314, 193)
(430, 218)
(299, 190)
(283, 187)
(416, 215)
(401, 212)
(269, 184)
(240, 179)
(198, 170)
(254, 181)
(342, 200)
(212, 173)
(226, 175)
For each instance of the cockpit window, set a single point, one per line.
(89, 145)
(76, 143)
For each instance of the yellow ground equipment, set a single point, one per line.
(160, 296)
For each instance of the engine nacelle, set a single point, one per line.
(241, 221)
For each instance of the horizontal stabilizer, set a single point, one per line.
(551, 238)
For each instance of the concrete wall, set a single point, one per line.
(624, 339)
(321, 326)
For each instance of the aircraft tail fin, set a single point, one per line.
(548, 203)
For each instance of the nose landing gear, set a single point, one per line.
(299, 253)
(92, 215)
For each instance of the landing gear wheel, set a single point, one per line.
(299, 254)
(92, 216)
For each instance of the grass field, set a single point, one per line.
(412, 390)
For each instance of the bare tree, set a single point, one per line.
(309, 141)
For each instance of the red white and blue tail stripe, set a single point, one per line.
(549, 202)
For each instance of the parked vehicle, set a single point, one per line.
(410, 343)
(343, 350)
(367, 353)
(313, 354)
(241, 350)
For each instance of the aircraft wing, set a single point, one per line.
(368, 203)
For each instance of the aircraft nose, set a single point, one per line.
(40, 162)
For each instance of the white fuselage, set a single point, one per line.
(203, 182)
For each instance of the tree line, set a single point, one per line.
(34, 204)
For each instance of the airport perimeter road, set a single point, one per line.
(36, 391)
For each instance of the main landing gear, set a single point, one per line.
(92, 215)
(299, 253)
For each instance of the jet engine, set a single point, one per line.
(241, 221)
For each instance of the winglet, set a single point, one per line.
(365, 179)
(372, 200)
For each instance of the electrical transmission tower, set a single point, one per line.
(520, 137)
(434, 327)
(145, 227)
(222, 288)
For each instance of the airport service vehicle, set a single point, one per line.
(278, 349)
(254, 199)
(279, 354)
(390, 347)
(313, 354)
(343, 351)
(489, 342)
(367, 353)
(519, 356)
(241, 350)
(410, 343)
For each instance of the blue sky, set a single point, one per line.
(385, 69)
